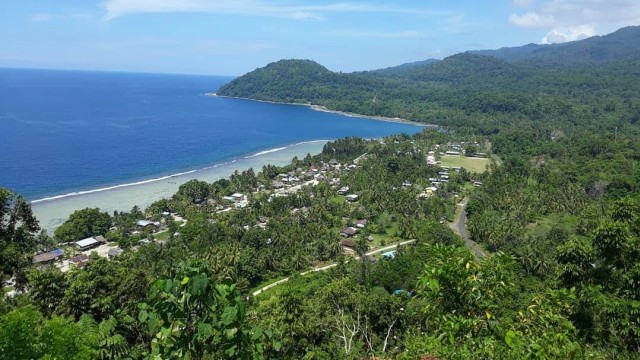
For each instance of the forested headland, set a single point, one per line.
(556, 214)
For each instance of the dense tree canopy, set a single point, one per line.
(17, 229)
(82, 224)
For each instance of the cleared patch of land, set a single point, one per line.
(542, 227)
(469, 163)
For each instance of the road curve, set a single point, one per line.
(327, 267)
(460, 227)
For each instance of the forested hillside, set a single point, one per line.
(469, 88)
(620, 45)
(404, 67)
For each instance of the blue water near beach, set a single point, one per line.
(66, 131)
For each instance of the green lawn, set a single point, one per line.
(162, 235)
(337, 199)
(379, 239)
(471, 164)
(542, 226)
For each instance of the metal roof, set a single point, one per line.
(86, 242)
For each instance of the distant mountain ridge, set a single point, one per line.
(619, 45)
(509, 81)
(404, 67)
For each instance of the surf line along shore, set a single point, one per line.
(322, 108)
(53, 211)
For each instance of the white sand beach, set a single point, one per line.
(53, 212)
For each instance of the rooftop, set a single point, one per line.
(48, 256)
(87, 242)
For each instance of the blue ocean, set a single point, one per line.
(65, 131)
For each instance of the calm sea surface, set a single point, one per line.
(66, 131)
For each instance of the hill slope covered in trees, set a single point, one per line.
(620, 45)
(469, 85)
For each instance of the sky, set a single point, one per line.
(232, 37)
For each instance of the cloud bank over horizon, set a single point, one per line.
(231, 37)
(570, 20)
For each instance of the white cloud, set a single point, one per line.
(522, 3)
(282, 9)
(531, 20)
(567, 20)
(301, 15)
(569, 34)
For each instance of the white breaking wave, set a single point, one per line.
(311, 142)
(76, 193)
(265, 152)
(166, 177)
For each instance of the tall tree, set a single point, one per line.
(82, 224)
(17, 229)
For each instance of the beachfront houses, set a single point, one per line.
(80, 260)
(90, 243)
(146, 225)
(48, 257)
(114, 252)
(238, 196)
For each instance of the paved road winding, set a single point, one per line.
(460, 227)
(372, 252)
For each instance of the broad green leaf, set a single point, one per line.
(143, 315)
(230, 333)
(257, 333)
(277, 345)
(509, 338)
(205, 330)
(229, 315)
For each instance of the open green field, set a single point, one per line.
(544, 225)
(164, 235)
(471, 164)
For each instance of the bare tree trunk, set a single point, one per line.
(346, 332)
(367, 336)
(386, 338)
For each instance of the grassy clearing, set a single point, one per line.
(164, 235)
(543, 226)
(471, 164)
(337, 199)
(380, 240)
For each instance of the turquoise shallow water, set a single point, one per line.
(65, 132)
(54, 211)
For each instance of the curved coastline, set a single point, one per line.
(54, 210)
(170, 176)
(325, 109)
